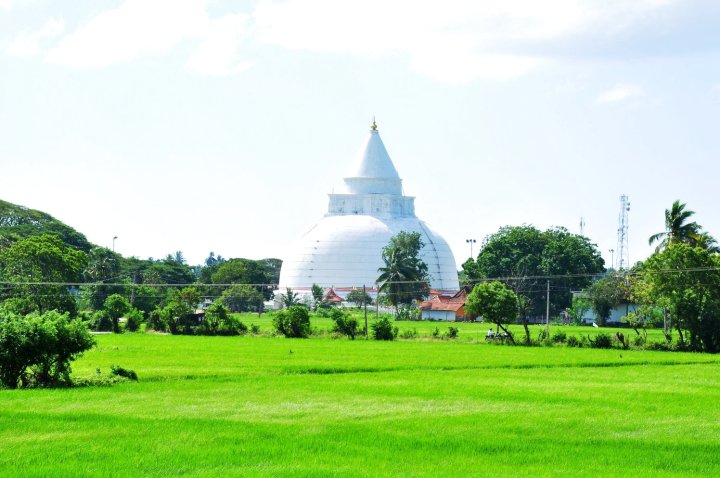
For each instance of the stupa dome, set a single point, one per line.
(344, 249)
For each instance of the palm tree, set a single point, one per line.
(677, 229)
(403, 277)
(707, 242)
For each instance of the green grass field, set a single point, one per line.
(469, 331)
(270, 406)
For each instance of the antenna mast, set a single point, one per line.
(623, 254)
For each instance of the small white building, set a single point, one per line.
(616, 314)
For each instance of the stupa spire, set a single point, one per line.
(373, 172)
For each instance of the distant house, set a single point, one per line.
(332, 298)
(446, 307)
(616, 313)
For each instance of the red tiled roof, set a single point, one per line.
(446, 302)
(332, 297)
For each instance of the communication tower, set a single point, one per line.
(623, 254)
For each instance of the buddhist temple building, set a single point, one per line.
(343, 250)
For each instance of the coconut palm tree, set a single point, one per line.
(677, 229)
(707, 242)
(404, 276)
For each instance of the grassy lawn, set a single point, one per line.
(269, 406)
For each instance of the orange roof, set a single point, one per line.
(446, 302)
(331, 296)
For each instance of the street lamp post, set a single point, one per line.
(471, 242)
(612, 258)
(115, 237)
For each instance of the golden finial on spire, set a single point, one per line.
(373, 126)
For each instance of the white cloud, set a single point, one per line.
(462, 67)
(6, 4)
(217, 54)
(621, 93)
(28, 44)
(137, 28)
(456, 41)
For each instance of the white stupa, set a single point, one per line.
(344, 249)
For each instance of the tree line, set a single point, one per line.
(677, 287)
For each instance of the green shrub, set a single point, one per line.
(408, 312)
(639, 341)
(601, 341)
(254, 329)
(383, 329)
(409, 334)
(116, 306)
(134, 319)
(100, 321)
(293, 322)
(324, 310)
(436, 332)
(573, 341)
(16, 305)
(98, 380)
(559, 337)
(233, 326)
(156, 321)
(660, 346)
(453, 332)
(344, 323)
(218, 321)
(123, 372)
(36, 350)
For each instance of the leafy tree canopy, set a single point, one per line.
(18, 222)
(692, 294)
(494, 302)
(42, 259)
(242, 298)
(526, 254)
(247, 272)
(358, 297)
(36, 350)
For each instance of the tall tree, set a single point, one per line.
(246, 272)
(404, 277)
(686, 280)
(103, 266)
(606, 294)
(708, 243)
(242, 298)
(495, 303)
(523, 256)
(677, 228)
(39, 268)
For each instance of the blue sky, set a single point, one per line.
(221, 126)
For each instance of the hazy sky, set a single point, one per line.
(222, 125)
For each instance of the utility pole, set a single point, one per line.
(471, 242)
(365, 304)
(547, 311)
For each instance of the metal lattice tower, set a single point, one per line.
(623, 254)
